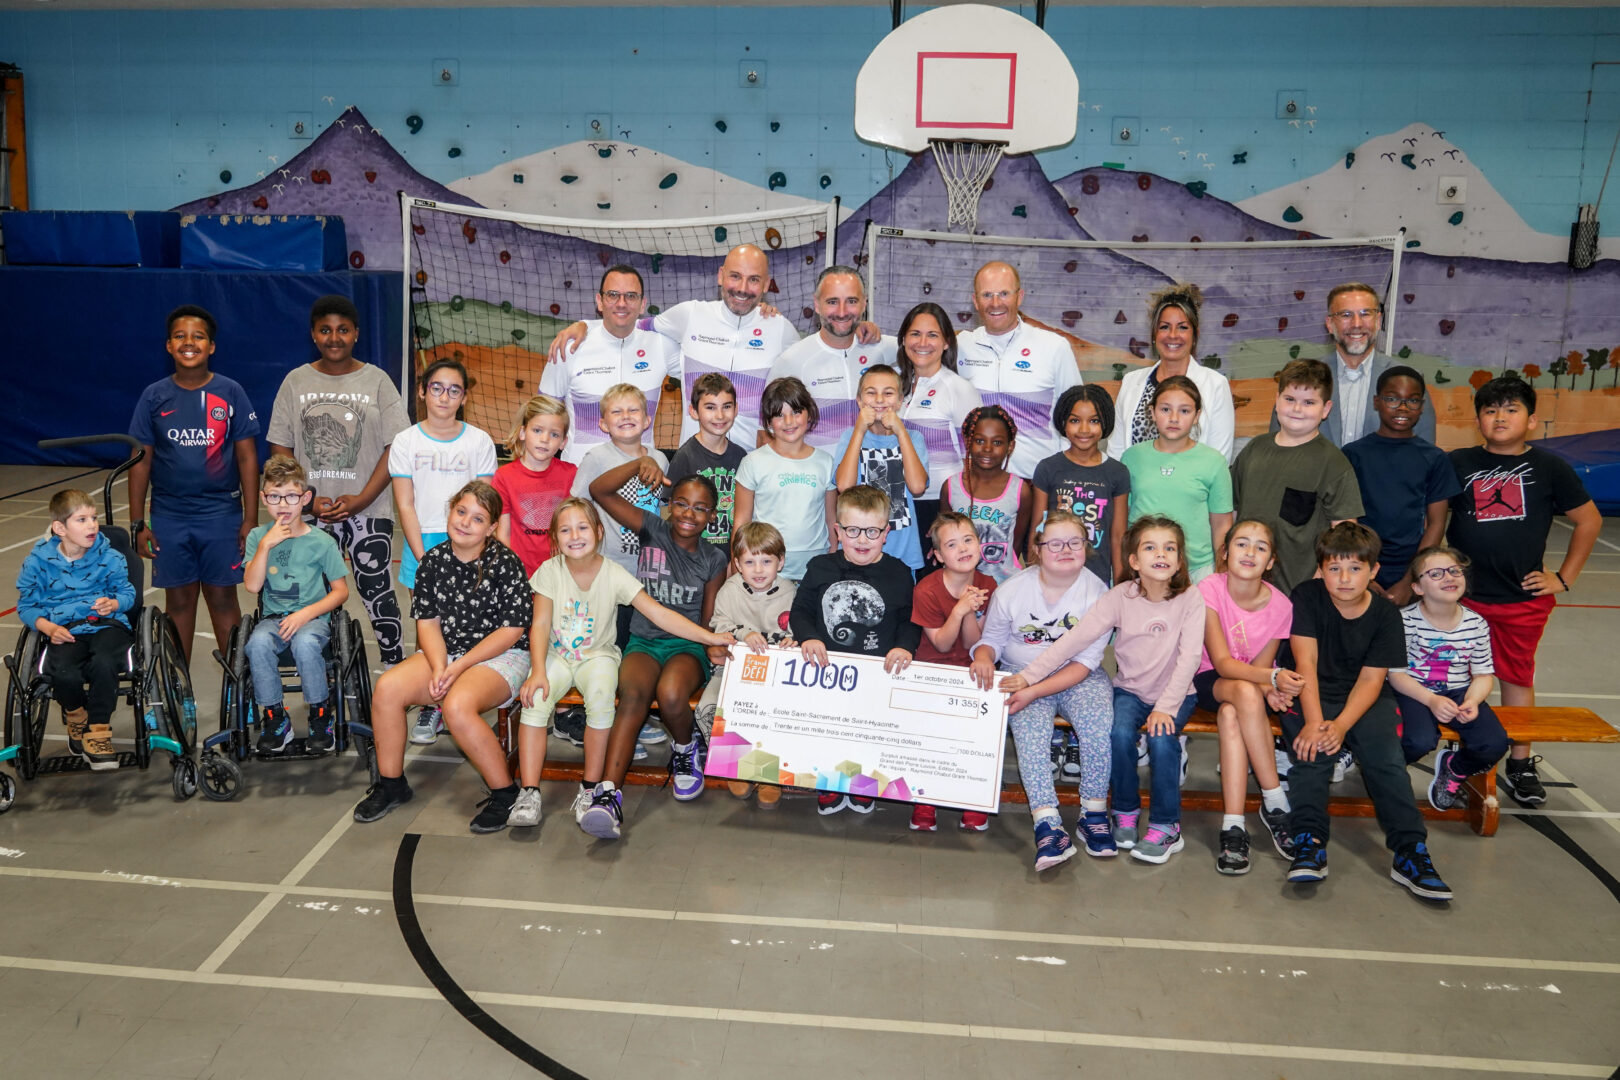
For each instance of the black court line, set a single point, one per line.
(448, 988)
(50, 483)
(1551, 830)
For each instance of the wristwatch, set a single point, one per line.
(136, 526)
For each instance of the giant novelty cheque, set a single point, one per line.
(926, 734)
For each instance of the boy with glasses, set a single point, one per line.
(1406, 481)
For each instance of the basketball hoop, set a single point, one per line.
(965, 165)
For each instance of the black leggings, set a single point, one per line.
(369, 543)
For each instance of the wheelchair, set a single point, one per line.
(155, 682)
(348, 677)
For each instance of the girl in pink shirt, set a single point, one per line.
(1160, 620)
(1247, 618)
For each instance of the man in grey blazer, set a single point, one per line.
(1354, 318)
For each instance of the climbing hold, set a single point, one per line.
(1455, 219)
(1293, 352)
(604, 206)
(224, 176)
(963, 316)
(1349, 158)
(1451, 271)
(262, 203)
(457, 302)
(1137, 348)
(455, 151)
(604, 151)
(1299, 294)
(356, 260)
(319, 176)
(719, 234)
(657, 261)
(667, 182)
(568, 178)
(517, 178)
(1446, 327)
(990, 183)
(653, 309)
(1292, 215)
(1144, 181)
(1090, 185)
(1074, 211)
(517, 384)
(604, 257)
(213, 202)
(1071, 317)
(777, 179)
(469, 231)
(1440, 377)
(556, 309)
(1140, 238)
(413, 122)
(808, 312)
(1071, 266)
(419, 230)
(1406, 159)
(776, 125)
(825, 181)
(421, 277)
(422, 333)
(1020, 211)
(1282, 324)
(567, 284)
(1406, 351)
(519, 335)
(1240, 158)
(1196, 240)
(371, 176)
(720, 126)
(1231, 320)
(928, 288)
(773, 238)
(1414, 243)
(1409, 297)
(772, 287)
(506, 257)
(1197, 188)
(506, 307)
(1119, 318)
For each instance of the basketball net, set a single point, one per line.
(965, 165)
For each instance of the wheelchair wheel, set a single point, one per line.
(238, 691)
(174, 683)
(8, 792)
(28, 703)
(221, 777)
(184, 778)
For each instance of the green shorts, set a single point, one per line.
(661, 649)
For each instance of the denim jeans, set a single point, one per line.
(308, 647)
(1164, 759)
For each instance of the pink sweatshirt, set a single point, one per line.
(1157, 650)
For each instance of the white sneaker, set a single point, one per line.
(1342, 764)
(429, 724)
(582, 803)
(526, 811)
(1183, 781)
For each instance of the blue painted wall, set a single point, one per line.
(143, 109)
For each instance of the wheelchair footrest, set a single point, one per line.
(295, 751)
(72, 763)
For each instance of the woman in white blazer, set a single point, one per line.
(1173, 331)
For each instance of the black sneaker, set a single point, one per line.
(381, 797)
(1523, 783)
(1276, 822)
(569, 726)
(1071, 761)
(1310, 860)
(1234, 856)
(495, 810)
(1414, 869)
(276, 734)
(320, 730)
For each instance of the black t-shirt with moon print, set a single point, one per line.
(474, 599)
(855, 609)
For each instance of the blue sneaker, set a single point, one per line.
(1310, 860)
(1415, 870)
(640, 754)
(1052, 844)
(1094, 832)
(652, 734)
(686, 768)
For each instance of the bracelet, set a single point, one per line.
(1274, 677)
(1561, 580)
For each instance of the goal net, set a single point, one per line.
(1264, 301)
(492, 288)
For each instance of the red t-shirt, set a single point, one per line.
(529, 498)
(931, 605)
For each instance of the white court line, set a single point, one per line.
(1606, 543)
(1223, 1047)
(968, 933)
(1595, 697)
(1521, 812)
(1580, 796)
(251, 921)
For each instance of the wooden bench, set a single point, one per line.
(1541, 724)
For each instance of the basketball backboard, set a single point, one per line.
(967, 71)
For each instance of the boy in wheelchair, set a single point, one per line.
(300, 573)
(74, 588)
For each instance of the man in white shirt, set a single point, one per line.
(614, 350)
(729, 335)
(1020, 367)
(1353, 320)
(830, 362)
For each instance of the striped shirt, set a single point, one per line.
(1446, 659)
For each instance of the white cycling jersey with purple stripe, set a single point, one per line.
(742, 347)
(936, 408)
(832, 374)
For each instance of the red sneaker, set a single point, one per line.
(975, 821)
(923, 818)
(830, 802)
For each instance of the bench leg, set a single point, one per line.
(506, 735)
(1484, 812)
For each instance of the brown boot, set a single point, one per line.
(77, 722)
(98, 748)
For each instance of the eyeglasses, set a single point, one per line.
(991, 297)
(1075, 544)
(1346, 316)
(855, 532)
(445, 390)
(283, 500)
(1440, 573)
(1401, 402)
(613, 296)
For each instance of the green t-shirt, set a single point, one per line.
(1299, 491)
(1185, 487)
(299, 570)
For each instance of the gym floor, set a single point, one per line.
(274, 937)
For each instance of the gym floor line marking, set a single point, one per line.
(1578, 967)
(825, 1022)
(1606, 543)
(1580, 796)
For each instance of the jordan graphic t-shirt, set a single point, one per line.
(193, 436)
(1501, 518)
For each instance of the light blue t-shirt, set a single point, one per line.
(884, 468)
(792, 495)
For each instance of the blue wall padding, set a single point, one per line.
(234, 242)
(93, 339)
(146, 238)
